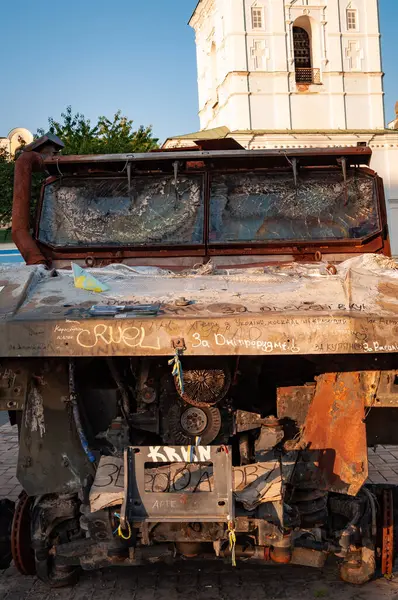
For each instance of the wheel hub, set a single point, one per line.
(194, 421)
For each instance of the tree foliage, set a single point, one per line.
(7, 168)
(6, 186)
(107, 136)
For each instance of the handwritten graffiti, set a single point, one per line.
(192, 478)
(258, 344)
(133, 337)
(244, 476)
(110, 474)
(340, 347)
(310, 306)
(196, 478)
(377, 347)
(181, 454)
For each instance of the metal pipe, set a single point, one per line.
(26, 164)
(76, 414)
(125, 402)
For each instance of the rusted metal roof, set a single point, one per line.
(269, 158)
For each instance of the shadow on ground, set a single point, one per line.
(200, 581)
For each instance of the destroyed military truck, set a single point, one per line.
(198, 353)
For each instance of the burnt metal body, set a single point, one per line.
(234, 274)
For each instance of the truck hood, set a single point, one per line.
(284, 309)
(367, 284)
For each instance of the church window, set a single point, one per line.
(302, 56)
(257, 18)
(351, 19)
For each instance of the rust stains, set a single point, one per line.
(26, 164)
(335, 428)
(388, 289)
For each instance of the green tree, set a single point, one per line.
(7, 168)
(6, 188)
(107, 136)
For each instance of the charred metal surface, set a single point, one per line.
(133, 167)
(14, 377)
(275, 158)
(163, 430)
(293, 402)
(188, 532)
(384, 390)
(335, 427)
(54, 518)
(245, 421)
(50, 459)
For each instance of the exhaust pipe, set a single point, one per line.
(26, 164)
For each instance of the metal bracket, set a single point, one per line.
(343, 162)
(213, 467)
(13, 386)
(295, 170)
(178, 343)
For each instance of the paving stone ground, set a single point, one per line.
(197, 581)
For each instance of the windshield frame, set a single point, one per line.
(374, 242)
(117, 176)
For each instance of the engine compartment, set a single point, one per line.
(143, 469)
(137, 401)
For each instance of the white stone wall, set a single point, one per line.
(246, 76)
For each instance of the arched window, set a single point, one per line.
(305, 72)
(302, 54)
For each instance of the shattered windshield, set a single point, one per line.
(106, 211)
(266, 208)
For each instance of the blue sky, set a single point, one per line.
(101, 55)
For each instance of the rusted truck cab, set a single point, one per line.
(214, 392)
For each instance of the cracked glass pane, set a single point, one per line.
(266, 208)
(104, 212)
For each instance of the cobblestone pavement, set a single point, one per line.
(196, 581)
(9, 485)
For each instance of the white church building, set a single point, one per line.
(295, 74)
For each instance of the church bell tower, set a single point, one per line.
(289, 64)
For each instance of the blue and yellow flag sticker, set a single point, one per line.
(85, 281)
